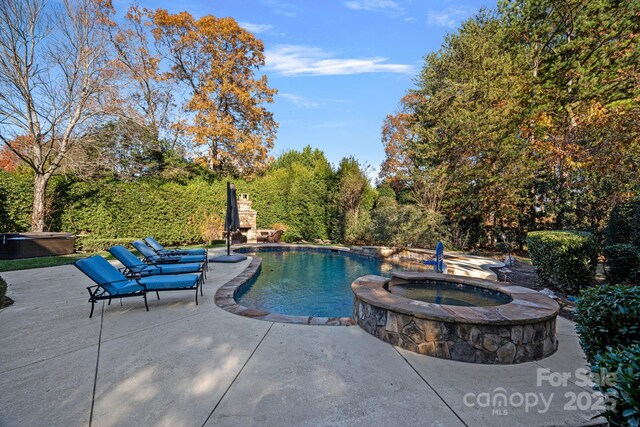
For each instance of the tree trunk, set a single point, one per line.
(39, 201)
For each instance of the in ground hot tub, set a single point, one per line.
(508, 324)
(30, 245)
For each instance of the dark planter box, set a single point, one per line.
(30, 245)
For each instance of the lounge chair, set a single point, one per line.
(156, 246)
(271, 238)
(152, 257)
(437, 263)
(111, 283)
(134, 267)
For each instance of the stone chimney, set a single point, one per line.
(247, 218)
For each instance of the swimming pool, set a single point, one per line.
(308, 283)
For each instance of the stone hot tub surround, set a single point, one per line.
(519, 331)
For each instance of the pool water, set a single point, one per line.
(305, 283)
(451, 294)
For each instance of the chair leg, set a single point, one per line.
(157, 295)
(145, 301)
(93, 305)
(109, 301)
(196, 295)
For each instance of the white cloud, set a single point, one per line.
(387, 6)
(281, 8)
(299, 101)
(449, 17)
(296, 60)
(256, 28)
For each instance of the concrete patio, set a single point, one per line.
(185, 365)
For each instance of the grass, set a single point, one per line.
(47, 261)
(54, 261)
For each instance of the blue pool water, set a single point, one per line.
(308, 283)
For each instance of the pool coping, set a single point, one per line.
(225, 299)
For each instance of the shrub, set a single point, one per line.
(564, 260)
(91, 244)
(623, 225)
(608, 316)
(3, 289)
(623, 262)
(622, 390)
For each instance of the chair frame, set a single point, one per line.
(98, 293)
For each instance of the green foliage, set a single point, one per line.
(623, 263)
(91, 244)
(608, 316)
(406, 225)
(3, 289)
(16, 193)
(622, 389)
(564, 260)
(623, 225)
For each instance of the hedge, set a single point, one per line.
(608, 316)
(620, 384)
(174, 212)
(623, 263)
(3, 289)
(623, 225)
(564, 260)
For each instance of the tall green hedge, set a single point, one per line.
(564, 260)
(107, 210)
(608, 324)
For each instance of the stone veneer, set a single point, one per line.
(520, 331)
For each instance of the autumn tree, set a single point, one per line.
(54, 82)
(147, 88)
(216, 60)
(584, 67)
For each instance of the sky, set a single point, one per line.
(340, 66)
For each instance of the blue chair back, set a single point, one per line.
(104, 274)
(154, 244)
(145, 250)
(125, 256)
(439, 257)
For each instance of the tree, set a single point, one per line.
(54, 82)
(216, 60)
(353, 199)
(584, 68)
(148, 89)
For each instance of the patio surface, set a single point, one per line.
(185, 365)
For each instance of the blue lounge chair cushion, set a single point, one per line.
(126, 257)
(150, 254)
(106, 275)
(162, 251)
(129, 260)
(158, 283)
(152, 270)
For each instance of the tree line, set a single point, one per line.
(527, 117)
(84, 92)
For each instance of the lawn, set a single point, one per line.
(54, 261)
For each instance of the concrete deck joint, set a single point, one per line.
(237, 375)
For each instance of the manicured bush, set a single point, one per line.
(620, 384)
(3, 289)
(91, 244)
(608, 316)
(564, 260)
(623, 263)
(623, 225)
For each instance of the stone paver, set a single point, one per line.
(185, 365)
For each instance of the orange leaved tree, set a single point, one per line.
(216, 60)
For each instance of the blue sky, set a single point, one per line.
(340, 66)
